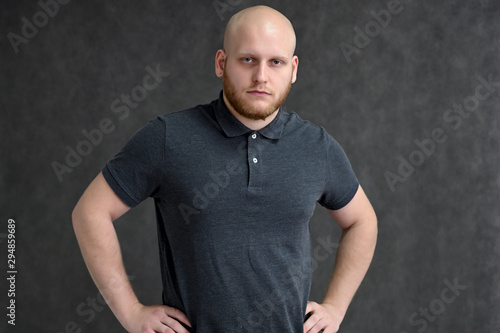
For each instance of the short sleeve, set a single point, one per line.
(341, 184)
(135, 173)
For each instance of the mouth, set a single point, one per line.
(261, 93)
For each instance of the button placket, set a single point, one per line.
(254, 165)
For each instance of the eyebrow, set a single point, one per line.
(253, 55)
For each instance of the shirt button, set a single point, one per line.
(255, 160)
(254, 136)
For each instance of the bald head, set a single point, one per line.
(263, 18)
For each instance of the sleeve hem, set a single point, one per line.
(117, 188)
(342, 203)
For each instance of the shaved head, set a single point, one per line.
(259, 17)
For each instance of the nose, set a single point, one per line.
(260, 75)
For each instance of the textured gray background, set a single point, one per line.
(441, 224)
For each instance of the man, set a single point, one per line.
(235, 183)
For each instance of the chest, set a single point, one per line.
(248, 183)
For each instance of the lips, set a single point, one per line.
(259, 93)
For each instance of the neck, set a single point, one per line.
(253, 124)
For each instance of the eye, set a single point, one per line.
(247, 60)
(277, 62)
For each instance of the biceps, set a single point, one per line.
(358, 210)
(99, 199)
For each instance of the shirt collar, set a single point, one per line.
(232, 127)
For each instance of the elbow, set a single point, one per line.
(76, 218)
(372, 225)
(79, 218)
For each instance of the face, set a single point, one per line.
(258, 70)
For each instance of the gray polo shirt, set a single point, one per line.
(233, 207)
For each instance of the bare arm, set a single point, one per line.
(357, 245)
(93, 219)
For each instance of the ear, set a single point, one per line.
(220, 61)
(295, 66)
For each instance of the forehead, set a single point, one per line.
(265, 39)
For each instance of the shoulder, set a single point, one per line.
(199, 115)
(173, 123)
(305, 129)
(308, 136)
(180, 115)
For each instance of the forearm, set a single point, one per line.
(354, 256)
(101, 251)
